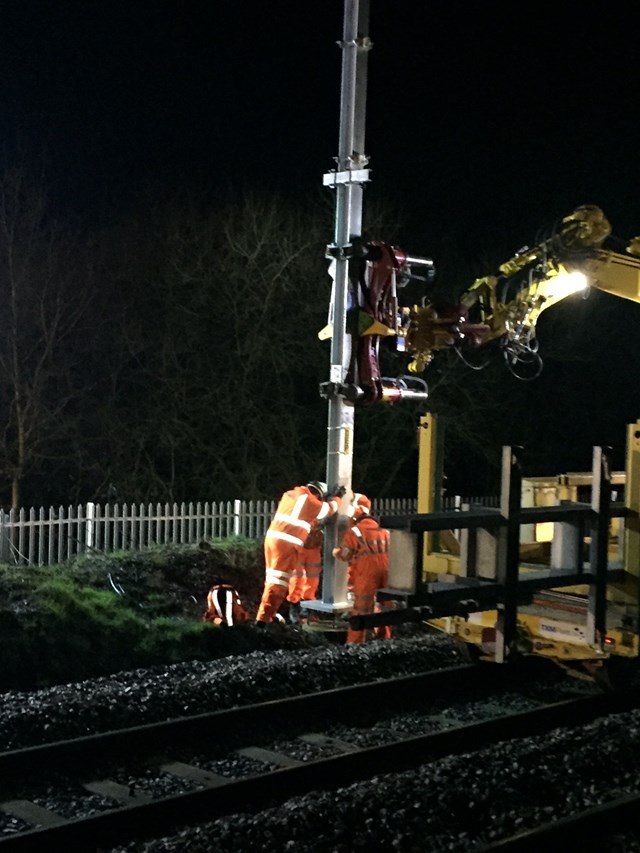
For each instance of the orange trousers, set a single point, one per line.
(281, 562)
(364, 582)
(304, 582)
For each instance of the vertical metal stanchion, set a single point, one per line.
(599, 551)
(508, 557)
(632, 501)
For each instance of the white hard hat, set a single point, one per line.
(360, 505)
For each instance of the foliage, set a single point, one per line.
(105, 613)
(218, 396)
(46, 297)
(78, 630)
(173, 355)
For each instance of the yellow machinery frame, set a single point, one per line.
(552, 631)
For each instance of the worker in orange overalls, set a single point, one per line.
(304, 582)
(365, 546)
(298, 510)
(224, 606)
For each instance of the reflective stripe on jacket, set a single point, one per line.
(366, 540)
(277, 577)
(297, 511)
(224, 606)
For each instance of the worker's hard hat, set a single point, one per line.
(360, 505)
(319, 488)
(362, 502)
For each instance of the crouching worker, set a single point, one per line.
(224, 606)
(365, 546)
(298, 510)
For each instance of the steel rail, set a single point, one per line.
(589, 829)
(90, 750)
(163, 815)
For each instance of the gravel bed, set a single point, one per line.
(454, 804)
(9, 825)
(146, 696)
(71, 801)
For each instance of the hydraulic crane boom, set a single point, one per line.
(502, 307)
(507, 305)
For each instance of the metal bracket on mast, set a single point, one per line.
(349, 176)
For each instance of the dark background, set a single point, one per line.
(493, 121)
(485, 124)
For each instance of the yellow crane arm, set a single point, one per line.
(615, 273)
(507, 305)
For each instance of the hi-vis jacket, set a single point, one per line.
(297, 511)
(284, 541)
(365, 541)
(224, 606)
(365, 546)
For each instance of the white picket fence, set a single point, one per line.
(49, 536)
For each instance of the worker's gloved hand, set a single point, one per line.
(340, 492)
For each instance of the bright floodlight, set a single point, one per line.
(566, 283)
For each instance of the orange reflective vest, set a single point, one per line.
(224, 606)
(297, 511)
(367, 541)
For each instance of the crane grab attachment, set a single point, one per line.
(503, 307)
(377, 271)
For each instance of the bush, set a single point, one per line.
(101, 614)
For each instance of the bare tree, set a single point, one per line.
(221, 398)
(43, 303)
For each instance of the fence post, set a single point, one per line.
(89, 529)
(4, 545)
(237, 519)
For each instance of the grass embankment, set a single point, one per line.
(101, 614)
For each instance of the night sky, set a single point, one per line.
(500, 118)
(485, 122)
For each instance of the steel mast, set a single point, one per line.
(347, 181)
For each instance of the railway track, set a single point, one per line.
(591, 830)
(102, 768)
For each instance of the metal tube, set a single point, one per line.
(348, 226)
(414, 261)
